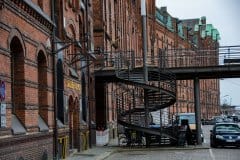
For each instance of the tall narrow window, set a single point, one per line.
(42, 86)
(60, 88)
(84, 99)
(17, 75)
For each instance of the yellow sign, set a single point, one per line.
(72, 85)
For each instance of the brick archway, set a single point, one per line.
(16, 34)
(17, 78)
(73, 123)
(42, 86)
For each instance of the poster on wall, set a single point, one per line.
(2, 90)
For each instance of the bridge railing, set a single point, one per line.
(115, 60)
(230, 55)
(227, 55)
(171, 58)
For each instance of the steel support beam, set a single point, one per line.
(197, 109)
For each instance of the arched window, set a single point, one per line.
(42, 85)
(17, 74)
(60, 88)
(84, 99)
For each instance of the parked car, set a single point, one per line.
(233, 118)
(217, 119)
(225, 134)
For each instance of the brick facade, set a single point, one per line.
(26, 61)
(127, 35)
(167, 38)
(28, 71)
(25, 57)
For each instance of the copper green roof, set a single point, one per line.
(165, 19)
(215, 35)
(210, 31)
(160, 17)
(169, 23)
(195, 25)
(180, 30)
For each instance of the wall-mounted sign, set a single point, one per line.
(3, 121)
(2, 90)
(72, 85)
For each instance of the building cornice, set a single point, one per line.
(30, 11)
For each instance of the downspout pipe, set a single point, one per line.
(89, 104)
(55, 130)
(145, 69)
(144, 32)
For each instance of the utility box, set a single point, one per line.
(102, 137)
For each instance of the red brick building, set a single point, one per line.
(118, 27)
(193, 34)
(26, 70)
(51, 102)
(43, 74)
(116, 30)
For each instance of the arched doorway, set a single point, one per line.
(73, 123)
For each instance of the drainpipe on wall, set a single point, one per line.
(145, 69)
(88, 75)
(55, 132)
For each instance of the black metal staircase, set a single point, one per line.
(159, 92)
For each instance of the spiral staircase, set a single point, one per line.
(137, 98)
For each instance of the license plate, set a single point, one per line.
(230, 140)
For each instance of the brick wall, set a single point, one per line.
(22, 34)
(28, 147)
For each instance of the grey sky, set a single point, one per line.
(223, 14)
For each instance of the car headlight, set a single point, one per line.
(219, 137)
(238, 137)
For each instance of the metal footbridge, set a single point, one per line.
(222, 62)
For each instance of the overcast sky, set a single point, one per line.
(224, 15)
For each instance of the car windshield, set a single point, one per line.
(230, 128)
(190, 118)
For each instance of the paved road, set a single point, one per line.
(199, 154)
(181, 154)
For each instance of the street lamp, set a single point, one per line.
(225, 100)
(225, 104)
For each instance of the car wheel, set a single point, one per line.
(213, 145)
